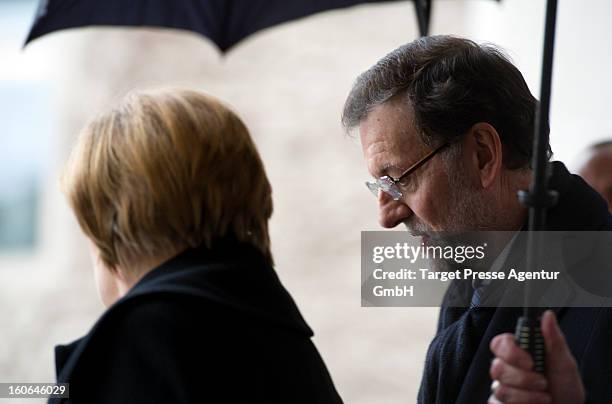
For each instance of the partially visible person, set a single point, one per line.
(597, 169)
(171, 192)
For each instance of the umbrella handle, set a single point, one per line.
(529, 337)
(539, 198)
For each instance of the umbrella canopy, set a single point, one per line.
(224, 22)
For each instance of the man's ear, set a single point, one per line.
(485, 144)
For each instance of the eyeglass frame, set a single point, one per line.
(388, 184)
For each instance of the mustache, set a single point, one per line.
(417, 228)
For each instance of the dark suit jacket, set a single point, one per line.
(458, 359)
(208, 326)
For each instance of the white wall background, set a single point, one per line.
(289, 84)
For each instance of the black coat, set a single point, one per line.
(458, 359)
(208, 326)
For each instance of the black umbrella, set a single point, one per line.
(423, 12)
(224, 22)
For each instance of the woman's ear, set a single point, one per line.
(485, 146)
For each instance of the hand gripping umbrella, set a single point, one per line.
(539, 198)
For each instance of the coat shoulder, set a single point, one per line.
(175, 348)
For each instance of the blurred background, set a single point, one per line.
(288, 83)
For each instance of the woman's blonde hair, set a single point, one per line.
(163, 171)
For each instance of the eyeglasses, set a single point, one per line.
(388, 184)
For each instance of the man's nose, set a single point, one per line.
(390, 212)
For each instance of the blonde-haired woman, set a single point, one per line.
(172, 194)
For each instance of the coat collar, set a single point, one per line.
(579, 208)
(232, 274)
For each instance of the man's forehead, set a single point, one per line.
(390, 153)
(390, 126)
(389, 123)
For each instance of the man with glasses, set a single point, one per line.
(446, 127)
